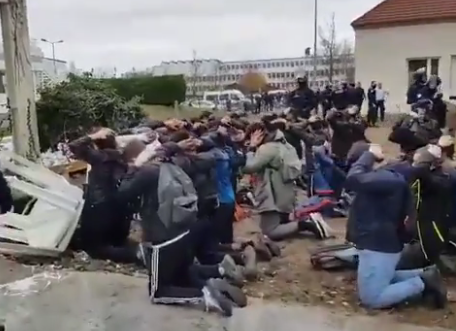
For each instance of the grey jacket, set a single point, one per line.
(271, 193)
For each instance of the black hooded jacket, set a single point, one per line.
(107, 168)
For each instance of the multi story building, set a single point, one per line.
(209, 74)
(45, 71)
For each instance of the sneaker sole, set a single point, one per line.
(225, 306)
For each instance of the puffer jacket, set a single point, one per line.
(271, 192)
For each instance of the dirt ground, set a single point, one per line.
(291, 278)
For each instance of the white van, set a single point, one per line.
(220, 97)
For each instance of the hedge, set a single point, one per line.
(162, 90)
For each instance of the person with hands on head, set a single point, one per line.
(102, 223)
(275, 195)
(376, 226)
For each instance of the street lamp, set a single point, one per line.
(315, 41)
(53, 51)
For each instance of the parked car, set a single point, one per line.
(200, 104)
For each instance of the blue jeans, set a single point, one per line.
(380, 285)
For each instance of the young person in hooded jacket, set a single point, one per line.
(103, 224)
(169, 257)
(378, 215)
(275, 197)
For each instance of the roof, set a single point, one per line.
(391, 13)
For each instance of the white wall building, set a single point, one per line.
(104, 72)
(396, 38)
(209, 74)
(45, 70)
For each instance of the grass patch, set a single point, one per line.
(162, 113)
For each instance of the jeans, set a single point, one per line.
(381, 109)
(380, 285)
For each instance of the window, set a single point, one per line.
(434, 67)
(211, 97)
(269, 65)
(414, 65)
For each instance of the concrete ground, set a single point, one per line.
(98, 301)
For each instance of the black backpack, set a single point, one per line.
(335, 257)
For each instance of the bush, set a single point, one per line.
(162, 90)
(71, 108)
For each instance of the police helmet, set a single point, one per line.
(301, 79)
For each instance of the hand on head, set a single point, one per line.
(377, 151)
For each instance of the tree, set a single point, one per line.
(194, 74)
(253, 82)
(336, 54)
(346, 61)
(71, 108)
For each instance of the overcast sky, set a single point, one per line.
(142, 33)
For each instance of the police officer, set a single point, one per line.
(326, 99)
(302, 100)
(416, 88)
(340, 97)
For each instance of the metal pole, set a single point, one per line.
(53, 58)
(315, 41)
(19, 78)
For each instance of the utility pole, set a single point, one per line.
(315, 41)
(20, 86)
(53, 51)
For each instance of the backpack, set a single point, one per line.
(177, 199)
(335, 257)
(290, 164)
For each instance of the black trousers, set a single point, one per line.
(223, 223)
(173, 276)
(372, 114)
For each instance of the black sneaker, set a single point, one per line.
(435, 287)
(214, 298)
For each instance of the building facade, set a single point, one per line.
(45, 71)
(212, 74)
(397, 25)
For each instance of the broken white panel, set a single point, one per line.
(37, 174)
(46, 229)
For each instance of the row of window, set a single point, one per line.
(271, 75)
(282, 64)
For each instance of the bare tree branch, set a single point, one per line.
(195, 74)
(337, 55)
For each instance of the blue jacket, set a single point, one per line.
(382, 201)
(224, 171)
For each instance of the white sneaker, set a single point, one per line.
(215, 299)
(325, 228)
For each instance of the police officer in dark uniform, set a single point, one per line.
(340, 97)
(414, 91)
(326, 99)
(302, 100)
